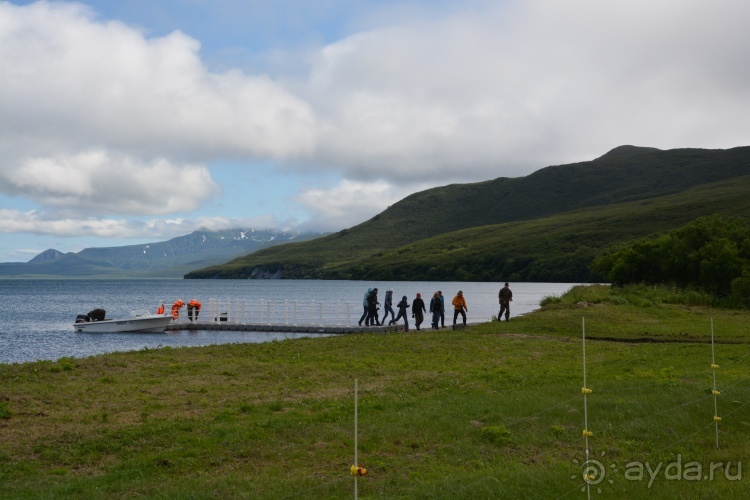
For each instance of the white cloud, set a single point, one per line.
(512, 87)
(112, 184)
(75, 82)
(98, 118)
(33, 222)
(347, 204)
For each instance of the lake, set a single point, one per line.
(37, 315)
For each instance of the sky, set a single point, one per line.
(135, 121)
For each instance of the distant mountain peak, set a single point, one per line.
(47, 256)
(627, 152)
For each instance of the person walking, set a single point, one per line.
(436, 308)
(365, 304)
(372, 309)
(459, 307)
(418, 310)
(402, 307)
(442, 308)
(388, 306)
(505, 296)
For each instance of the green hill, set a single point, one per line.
(547, 226)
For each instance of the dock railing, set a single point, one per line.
(274, 312)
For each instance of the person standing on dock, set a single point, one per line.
(505, 296)
(436, 308)
(372, 309)
(442, 308)
(365, 304)
(402, 307)
(388, 306)
(459, 307)
(418, 310)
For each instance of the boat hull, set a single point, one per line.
(155, 323)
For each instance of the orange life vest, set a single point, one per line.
(160, 309)
(176, 308)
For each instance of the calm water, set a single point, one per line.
(37, 315)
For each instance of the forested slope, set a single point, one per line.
(554, 221)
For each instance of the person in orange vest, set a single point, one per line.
(160, 309)
(194, 307)
(178, 304)
(459, 307)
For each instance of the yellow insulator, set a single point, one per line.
(589, 478)
(586, 391)
(717, 419)
(357, 471)
(587, 433)
(715, 392)
(714, 367)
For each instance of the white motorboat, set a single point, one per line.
(139, 322)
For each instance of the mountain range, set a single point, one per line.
(547, 226)
(166, 259)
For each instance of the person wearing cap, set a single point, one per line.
(388, 306)
(505, 296)
(459, 307)
(418, 310)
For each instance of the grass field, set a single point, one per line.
(495, 411)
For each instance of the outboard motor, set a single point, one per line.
(97, 314)
(82, 318)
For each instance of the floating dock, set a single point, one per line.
(323, 329)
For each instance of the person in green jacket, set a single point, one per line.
(505, 296)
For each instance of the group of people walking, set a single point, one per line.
(370, 305)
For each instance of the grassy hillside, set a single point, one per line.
(553, 248)
(491, 412)
(625, 174)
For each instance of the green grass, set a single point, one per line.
(636, 314)
(495, 411)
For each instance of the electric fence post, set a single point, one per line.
(715, 393)
(587, 477)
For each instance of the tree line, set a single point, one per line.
(711, 254)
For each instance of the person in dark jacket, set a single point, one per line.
(442, 311)
(418, 310)
(505, 296)
(402, 307)
(388, 306)
(372, 309)
(436, 308)
(364, 305)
